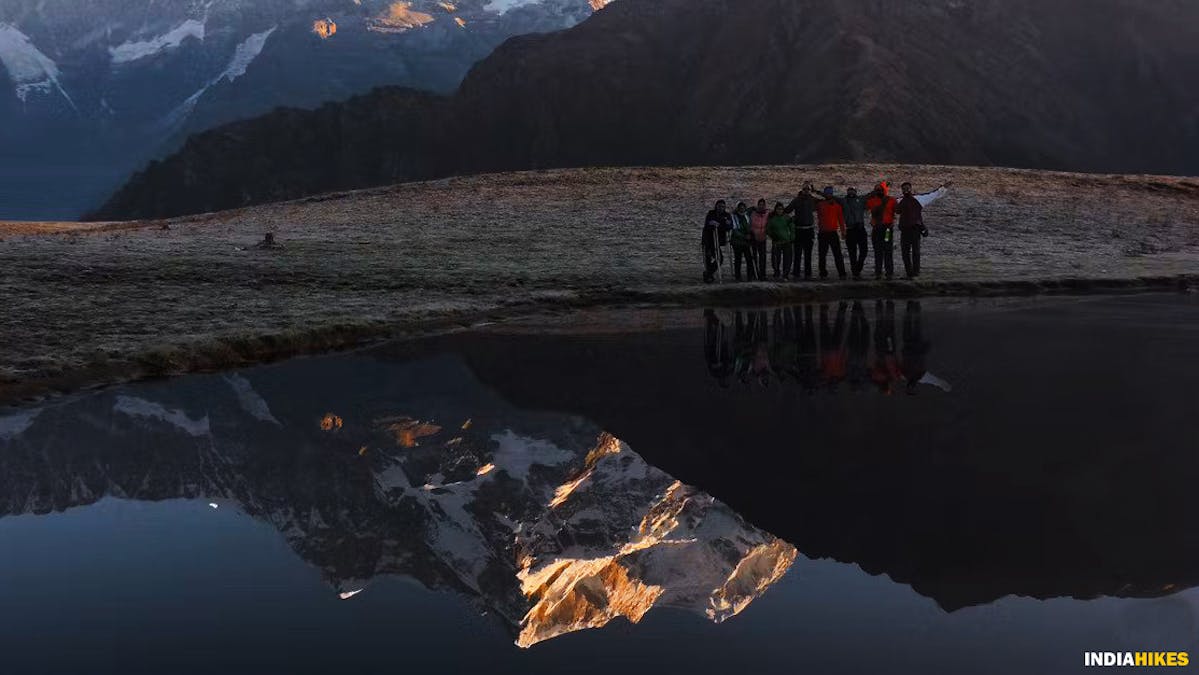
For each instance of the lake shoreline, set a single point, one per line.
(249, 350)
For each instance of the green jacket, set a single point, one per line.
(780, 229)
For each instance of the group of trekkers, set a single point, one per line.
(785, 349)
(822, 218)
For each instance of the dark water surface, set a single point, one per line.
(946, 486)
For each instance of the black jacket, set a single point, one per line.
(724, 223)
(804, 208)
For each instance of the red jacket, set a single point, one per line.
(831, 216)
(757, 224)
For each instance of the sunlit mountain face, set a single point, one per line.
(542, 519)
(90, 91)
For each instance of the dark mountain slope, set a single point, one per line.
(1092, 85)
(368, 140)
(1069, 84)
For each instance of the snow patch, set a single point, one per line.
(30, 69)
(504, 6)
(249, 400)
(517, 454)
(140, 407)
(133, 51)
(244, 55)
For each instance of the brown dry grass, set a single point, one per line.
(87, 302)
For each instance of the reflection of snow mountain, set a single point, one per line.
(414, 470)
(106, 85)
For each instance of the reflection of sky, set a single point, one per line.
(180, 587)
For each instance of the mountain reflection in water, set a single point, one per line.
(547, 521)
(1041, 505)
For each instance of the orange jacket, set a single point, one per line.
(831, 216)
(833, 364)
(881, 203)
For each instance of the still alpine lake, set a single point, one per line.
(947, 486)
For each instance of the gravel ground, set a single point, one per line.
(98, 302)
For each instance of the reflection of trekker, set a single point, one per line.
(882, 221)
(781, 234)
(740, 237)
(885, 369)
(752, 347)
(760, 365)
(915, 347)
(833, 358)
(782, 346)
(804, 207)
(716, 228)
(855, 231)
(911, 225)
(716, 349)
(832, 225)
(915, 352)
(757, 242)
(743, 345)
(808, 359)
(859, 346)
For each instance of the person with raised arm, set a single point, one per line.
(911, 225)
